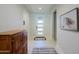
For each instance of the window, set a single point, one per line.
(40, 33)
(40, 25)
(39, 29)
(40, 21)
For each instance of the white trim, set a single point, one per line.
(59, 50)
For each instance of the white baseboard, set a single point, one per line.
(58, 49)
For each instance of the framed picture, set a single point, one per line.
(70, 20)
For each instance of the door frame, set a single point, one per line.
(55, 24)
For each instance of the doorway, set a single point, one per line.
(55, 24)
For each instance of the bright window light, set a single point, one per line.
(40, 25)
(40, 8)
(39, 29)
(40, 33)
(40, 21)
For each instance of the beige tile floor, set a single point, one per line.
(40, 44)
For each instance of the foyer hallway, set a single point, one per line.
(39, 20)
(41, 25)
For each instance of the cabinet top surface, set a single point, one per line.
(10, 32)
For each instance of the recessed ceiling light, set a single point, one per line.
(40, 8)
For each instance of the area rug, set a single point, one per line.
(44, 51)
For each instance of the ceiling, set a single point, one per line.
(35, 7)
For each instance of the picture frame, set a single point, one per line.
(70, 20)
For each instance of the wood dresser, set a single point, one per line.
(13, 42)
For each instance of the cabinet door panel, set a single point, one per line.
(5, 44)
(17, 42)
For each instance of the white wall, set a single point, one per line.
(68, 41)
(12, 16)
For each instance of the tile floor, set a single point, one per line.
(40, 45)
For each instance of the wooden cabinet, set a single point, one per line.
(13, 42)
